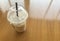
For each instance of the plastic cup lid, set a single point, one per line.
(12, 18)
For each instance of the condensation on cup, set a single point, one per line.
(18, 23)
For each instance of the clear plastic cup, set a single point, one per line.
(18, 22)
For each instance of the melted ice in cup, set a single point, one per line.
(17, 22)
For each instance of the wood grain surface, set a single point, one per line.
(37, 29)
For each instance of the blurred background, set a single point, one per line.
(43, 23)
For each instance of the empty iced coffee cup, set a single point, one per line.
(18, 23)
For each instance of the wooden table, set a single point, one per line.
(37, 29)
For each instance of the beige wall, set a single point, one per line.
(47, 9)
(4, 4)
